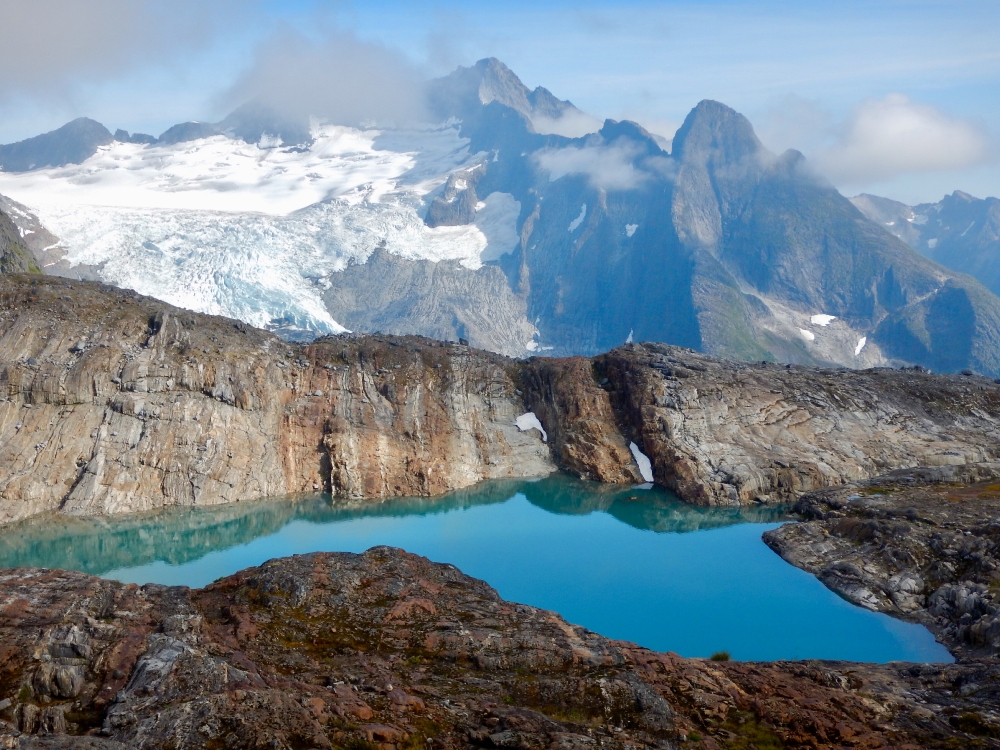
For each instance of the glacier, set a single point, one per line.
(252, 231)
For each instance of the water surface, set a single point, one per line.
(633, 563)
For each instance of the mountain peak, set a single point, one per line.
(73, 143)
(464, 91)
(712, 126)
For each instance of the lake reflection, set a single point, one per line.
(631, 563)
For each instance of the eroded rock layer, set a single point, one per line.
(719, 432)
(114, 403)
(388, 650)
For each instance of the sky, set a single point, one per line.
(898, 98)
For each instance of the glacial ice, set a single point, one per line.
(251, 231)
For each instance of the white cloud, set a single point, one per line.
(572, 124)
(894, 136)
(608, 167)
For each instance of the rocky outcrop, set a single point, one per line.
(115, 403)
(388, 650)
(15, 257)
(727, 433)
(923, 545)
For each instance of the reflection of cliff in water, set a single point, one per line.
(649, 508)
(180, 535)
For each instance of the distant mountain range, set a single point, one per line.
(960, 232)
(493, 228)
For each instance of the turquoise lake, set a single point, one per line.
(634, 564)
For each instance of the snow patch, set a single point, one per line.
(629, 339)
(531, 346)
(932, 243)
(822, 320)
(579, 219)
(861, 345)
(630, 229)
(967, 229)
(807, 335)
(642, 460)
(529, 421)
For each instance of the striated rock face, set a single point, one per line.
(728, 433)
(923, 545)
(387, 649)
(115, 403)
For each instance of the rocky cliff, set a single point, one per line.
(115, 403)
(720, 432)
(387, 650)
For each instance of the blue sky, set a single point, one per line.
(897, 98)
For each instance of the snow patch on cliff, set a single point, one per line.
(643, 462)
(529, 421)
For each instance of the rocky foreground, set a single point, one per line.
(111, 403)
(388, 650)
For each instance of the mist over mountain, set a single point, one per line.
(504, 226)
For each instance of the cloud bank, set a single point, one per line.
(338, 77)
(885, 138)
(572, 124)
(616, 166)
(47, 46)
(882, 139)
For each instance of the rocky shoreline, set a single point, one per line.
(922, 545)
(387, 650)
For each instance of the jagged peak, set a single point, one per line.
(713, 126)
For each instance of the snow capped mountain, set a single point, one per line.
(511, 223)
(250, 231)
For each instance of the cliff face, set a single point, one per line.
(728, 433)
(115, 403)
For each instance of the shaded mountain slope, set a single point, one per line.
(15, 257)
(73, 143)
